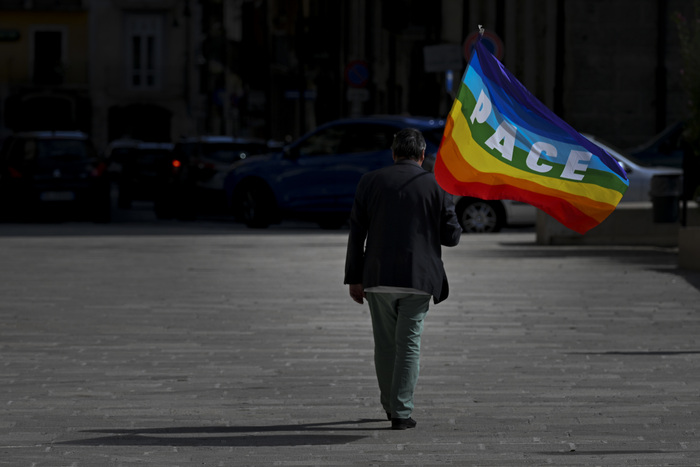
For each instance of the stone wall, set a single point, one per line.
(612, 64)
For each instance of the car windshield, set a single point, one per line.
(433, 137)
(617, 153)
(154, 153)
(226, 152)
(63, 150)
(119, 152)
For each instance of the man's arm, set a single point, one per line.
(355, 256)
(450, 229)
(357, 292)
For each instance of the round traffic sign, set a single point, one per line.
(357, 74)
(491, 41)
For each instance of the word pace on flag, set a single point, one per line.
(500, 142)
(503, 141)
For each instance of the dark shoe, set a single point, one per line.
(388, 415)
(402, 423)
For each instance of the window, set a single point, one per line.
(346, 139)
(368, 138)
(227, 153)
(322, 143)
(143, 50)
(63, 150)
(48, 56)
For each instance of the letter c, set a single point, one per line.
(533, 157)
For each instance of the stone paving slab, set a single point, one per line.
(208, 344)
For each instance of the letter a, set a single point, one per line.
(506, 133)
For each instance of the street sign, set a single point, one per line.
(309, 94)
(442, 57)
(357, 94)
(449, 80)
(491, 41)
(357, 74)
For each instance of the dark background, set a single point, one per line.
(160, 69)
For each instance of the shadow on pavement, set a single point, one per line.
(641, 353)
(155, 228)
(221, 436)
(604, 453)
(664, 259)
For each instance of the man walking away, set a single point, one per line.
(399, 221)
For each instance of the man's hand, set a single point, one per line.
(357, 292)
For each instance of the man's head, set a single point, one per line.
(409, 144)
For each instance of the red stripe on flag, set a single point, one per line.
(560, 209)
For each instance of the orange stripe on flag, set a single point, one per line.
(464, 172)
(558, 208)
(484, 162)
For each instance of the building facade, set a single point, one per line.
(142, 69)
(44, 76)
(160, 69)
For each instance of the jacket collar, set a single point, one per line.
(407, 161)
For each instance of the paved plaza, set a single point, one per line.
(208, 344)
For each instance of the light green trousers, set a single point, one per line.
(397, 323)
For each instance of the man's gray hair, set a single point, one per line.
(408, 144)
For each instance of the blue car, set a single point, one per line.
(315, 177)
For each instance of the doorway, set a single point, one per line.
(48, 57)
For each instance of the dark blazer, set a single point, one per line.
(405, 217)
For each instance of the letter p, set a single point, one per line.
(482, 109)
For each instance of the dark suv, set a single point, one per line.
(199, 166)
(143, 171)
(42, 173)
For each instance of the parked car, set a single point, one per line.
(638, 174)
(477, 215)
(485, 216)
(144, 170)
(114, 155)
(199, 166)
(316, 176)
(45, 172)
(664, 149)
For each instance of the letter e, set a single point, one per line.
(577, 161)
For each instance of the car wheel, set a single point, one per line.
(479, 216)
(256, 206)
(100, 207)
(332, 221)
(185, 208)
(163, 208)
(123, 198)
(102, 216)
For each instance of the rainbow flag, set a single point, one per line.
(500, 142)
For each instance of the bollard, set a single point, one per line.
(665, 196)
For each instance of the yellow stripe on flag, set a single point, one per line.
(468, 171)
(485, 163)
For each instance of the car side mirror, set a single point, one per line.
(625, 167)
